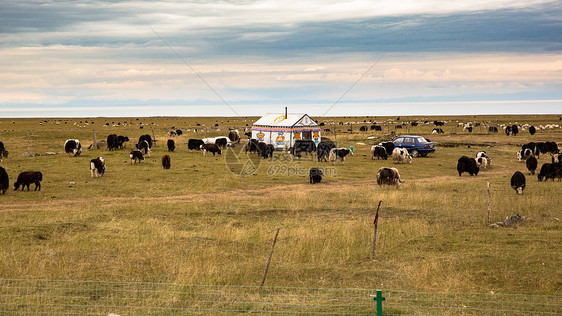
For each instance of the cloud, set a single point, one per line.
(67, 52)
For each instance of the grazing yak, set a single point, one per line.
(379, 152)
(265, 150)
(438, 123)
(97, 167)
(171, 145)
(323, 149)
(514, 130)
(363, 128)
(469, 165)
(144, 147)
(339, 153)
(4, 180)
(214, 148)
(3, 151)
(166, 161)
(550, 171)
(492, 129)
(551, 147)
(388, 176)
(73, 146)
(221, 141)
(194, 144)
(306, 146)
(315, 175)
(147, 138)
(234, 136)
(179, 132)
(508, 130)
(535, 148)
(121, 140)
(252, 146)
(556, 157)
(437, 131)
(389, 146)
(482, 154)
(518, 182)
(482, 162)
(531, 164)
(269, 150)
(112, 142)
(523, 154)
(540, 148)
(172, 133)
(401, 155)
(28, 177)
(376, 128)
(136, 156)
(532, 130)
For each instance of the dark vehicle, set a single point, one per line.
(416, 145)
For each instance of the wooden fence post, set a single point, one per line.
(489, 201)
(269, 260)
(376, 223)
(95, 146)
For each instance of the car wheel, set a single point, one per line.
(414, 153)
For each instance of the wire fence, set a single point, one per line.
(56, 297)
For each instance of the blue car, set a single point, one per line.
(416, 145)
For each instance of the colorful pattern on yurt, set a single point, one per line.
(316, 136)
(280, 139)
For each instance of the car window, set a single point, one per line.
(422, 140)
(409, 140)
(398, 140)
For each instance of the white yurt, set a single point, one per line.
(283, 129)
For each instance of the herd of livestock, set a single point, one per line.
(326, 150)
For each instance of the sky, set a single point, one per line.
(247, 58)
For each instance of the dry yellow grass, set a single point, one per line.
(198, 223)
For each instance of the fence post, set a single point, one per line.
(379, 298)
(489, 201)
(376, 222)
(270, 255)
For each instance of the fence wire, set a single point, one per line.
(59, 297)
(419, 303)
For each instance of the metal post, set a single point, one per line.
(379, 299)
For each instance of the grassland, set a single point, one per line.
(199, 223)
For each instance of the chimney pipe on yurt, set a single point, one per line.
(285, 112)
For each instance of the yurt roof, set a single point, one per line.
(278, 119)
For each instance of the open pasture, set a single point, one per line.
(198, 223)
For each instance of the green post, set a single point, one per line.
(379, 300)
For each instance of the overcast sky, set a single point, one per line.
(244, 57)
